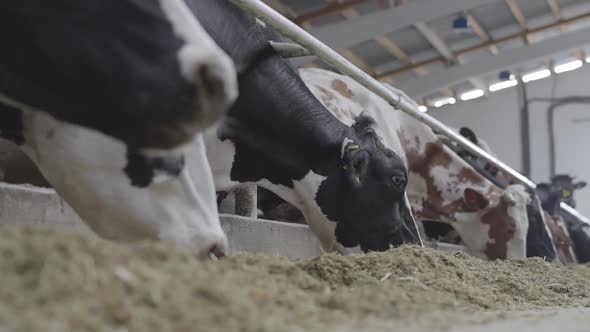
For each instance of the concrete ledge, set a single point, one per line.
(270, 237)
(29, 205)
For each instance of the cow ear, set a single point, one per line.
(355, 162)
(469, 134)
(579, 185)
(474, 199)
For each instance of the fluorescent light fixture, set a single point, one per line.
(536, 75)
(503, 85)
(422, 108)
(588, 59)
(444, 101)
(568, 66)
(473, 94)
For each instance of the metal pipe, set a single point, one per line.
(524, 128)
(573, 213)
(393, 96)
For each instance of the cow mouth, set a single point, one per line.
(368, 239)
(402, 230)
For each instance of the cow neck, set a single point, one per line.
(277, 107)
(273, 98)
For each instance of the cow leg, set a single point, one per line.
(226, 202)
(245, 201)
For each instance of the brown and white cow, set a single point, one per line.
(442, 186)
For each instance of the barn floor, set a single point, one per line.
(55, 281)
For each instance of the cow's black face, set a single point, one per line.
(365, 194)
(565, 186)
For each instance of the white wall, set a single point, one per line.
(496, 119)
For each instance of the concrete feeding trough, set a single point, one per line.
(35, 206)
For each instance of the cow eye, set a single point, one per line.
(398, 180)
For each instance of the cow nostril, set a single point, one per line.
(216, 252)
(211, 82)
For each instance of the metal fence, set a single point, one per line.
(394, 97)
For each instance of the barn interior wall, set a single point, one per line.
(496, 119)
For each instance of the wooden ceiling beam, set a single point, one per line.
(520, 18)
(556, 10)
(436, 41)
(482, 33)
(485, 45)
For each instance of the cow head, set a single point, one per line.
(365, 194)
(123, 194)
(550, 197)
(491, 221)
(566, 186)
(143, 71)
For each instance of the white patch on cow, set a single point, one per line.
(200, 49)
(441, 181)
(520, 198)
(345, 142)
(318, 222)
(473, 232)
(419, 185)
(87, 169)
(221, 156)
(302, 195)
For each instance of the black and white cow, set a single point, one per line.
(142, 71)
(107, 97)
(348, 185)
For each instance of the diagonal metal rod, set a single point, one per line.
(289, 50)
(393, 96)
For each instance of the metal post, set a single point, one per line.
(393, 96)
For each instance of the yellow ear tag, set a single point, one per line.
(566, 193)
(352, 148)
